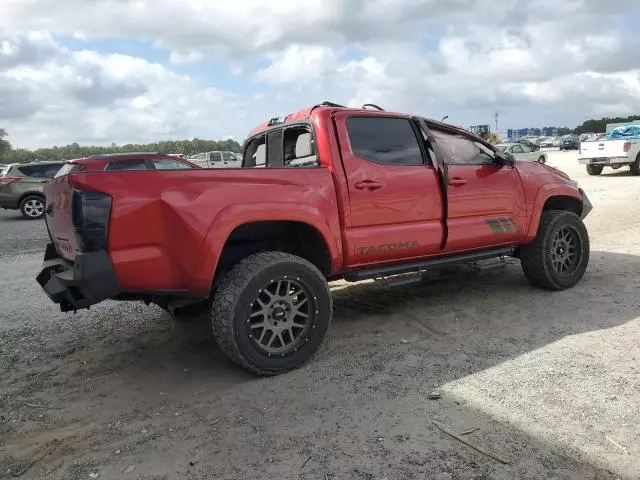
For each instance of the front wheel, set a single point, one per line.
(559, 255)
(32, 207)
(594, 170)
(271, 312)
(542, 159)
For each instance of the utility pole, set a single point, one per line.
(497, 121)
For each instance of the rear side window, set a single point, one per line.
(216, 157)
(30, 170)
(388, 141)
(124, 165)
(170, 165)
(255, 155)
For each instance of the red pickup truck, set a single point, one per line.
(324, 194)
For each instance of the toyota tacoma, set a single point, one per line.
(323, 194)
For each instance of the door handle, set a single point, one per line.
(368, 185)
(458, 182)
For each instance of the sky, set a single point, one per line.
(137, 71)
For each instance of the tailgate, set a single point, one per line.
(58, 195)
(603, 149)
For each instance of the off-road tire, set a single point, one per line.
(594, 170)
(635, 166)
(28, 202)
(233, 301)
(536, 258)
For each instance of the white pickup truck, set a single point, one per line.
(610, 153)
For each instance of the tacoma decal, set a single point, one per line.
(388, 247)
(502, 225)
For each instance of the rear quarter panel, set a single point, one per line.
(167, 228)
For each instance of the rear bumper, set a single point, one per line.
(90, 279)
(605, 161)
(586, 205)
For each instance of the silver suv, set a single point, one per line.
(21, 187)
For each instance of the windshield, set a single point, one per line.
(501, 148)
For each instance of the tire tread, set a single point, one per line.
(228, 292)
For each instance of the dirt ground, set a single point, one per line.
(550, 381)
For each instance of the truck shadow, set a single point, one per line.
(387, 350)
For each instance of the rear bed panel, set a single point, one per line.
(159, 230)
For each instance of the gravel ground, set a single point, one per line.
(550, 381)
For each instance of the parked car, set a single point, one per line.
(339, 193)
(620, 148)
(545, 142)
(125, 161)
(217, 159)
(21, 187)
(529, 143)
(523, 152)
(569, 143)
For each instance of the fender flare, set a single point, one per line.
(234, 216)
(544, 194)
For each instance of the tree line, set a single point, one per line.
(600, 126)
(68, 152)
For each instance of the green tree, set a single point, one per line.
(5, 146)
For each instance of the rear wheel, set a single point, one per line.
(32, 207)
(594, 169)
(271, 312)
(559, 255)
(635, 166)
(542, 159)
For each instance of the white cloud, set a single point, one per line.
(536, 61)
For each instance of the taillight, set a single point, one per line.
(627, 146)
(90, 213)
(8, 180)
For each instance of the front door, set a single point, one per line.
(486, 201)
(395, 201)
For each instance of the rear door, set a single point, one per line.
(486, 200)
(394, 194)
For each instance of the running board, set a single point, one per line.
(419, 266)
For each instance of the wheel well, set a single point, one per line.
(29, 194)
(297, 238)
(562, 202)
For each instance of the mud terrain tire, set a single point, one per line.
(285, 294)
(559, 255)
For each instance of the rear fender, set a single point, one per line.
(544, 194)
(236, 215)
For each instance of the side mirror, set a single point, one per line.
(505, 158)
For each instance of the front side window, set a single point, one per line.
(384, 140)
(460, 150)
(50, 170)
(228, 157)
(170, 165)
(124, 165)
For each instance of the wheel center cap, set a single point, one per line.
(279, 314)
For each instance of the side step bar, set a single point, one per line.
(419, 266)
